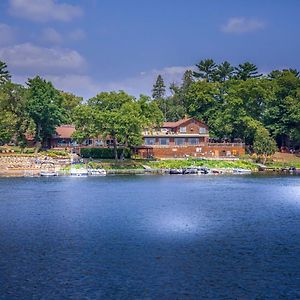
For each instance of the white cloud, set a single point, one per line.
(7, 34)
(87, 87)
(242, 25)
(77, 35)
(44, 10)
(52, 36)
(30, 59)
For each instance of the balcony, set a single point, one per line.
(213, 145)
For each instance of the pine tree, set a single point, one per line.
(4, 73)
(246, 71)
(206, 69)
(187, 79)
(159, 88)
(224, 71)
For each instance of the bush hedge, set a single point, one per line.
(103, 153)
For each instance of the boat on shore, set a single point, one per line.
(97, 172)
(48, 174)
(48, 169)
(191, 171)
(78, 172)
(241, 171)
(176, 171)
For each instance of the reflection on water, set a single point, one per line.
(150, 237)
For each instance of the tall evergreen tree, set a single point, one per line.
(159, 93)
(4, 73)
(159, 88)
(246, 71)
(187, 79)
(206, 69)
(224, 71)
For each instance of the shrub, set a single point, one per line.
(54, 153)
(103, 153)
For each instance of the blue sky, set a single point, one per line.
(88, 46)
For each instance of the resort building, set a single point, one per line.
(188, 137)
(184, 138)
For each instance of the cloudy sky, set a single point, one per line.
(88, 46)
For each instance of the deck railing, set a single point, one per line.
(219, 145)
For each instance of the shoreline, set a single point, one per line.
(111, 172)
(31, 166)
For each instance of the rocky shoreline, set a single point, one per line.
(28, 166)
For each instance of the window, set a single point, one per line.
(202, 130)
(164, 141)
(182, 129)
(179, 141)
(98, 142)
(193, 141)
(149, 141)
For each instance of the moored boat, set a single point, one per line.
(48, 169)
(96, 172)
(241, 171)
(48, 174)
(176, 171)
(78, 172)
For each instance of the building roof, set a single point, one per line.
(178, 123)
(65, 131)
(175, 124)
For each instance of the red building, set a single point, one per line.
(184, 138)
(188, 137)
(63, 139)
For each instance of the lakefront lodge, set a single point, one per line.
(188, 137)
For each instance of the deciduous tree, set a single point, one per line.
(264, 145)
(44, 106)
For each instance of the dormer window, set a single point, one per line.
(182, 129)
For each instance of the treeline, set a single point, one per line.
(35, 110)
(237, 103)
(32, 112)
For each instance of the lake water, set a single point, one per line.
(150, 237)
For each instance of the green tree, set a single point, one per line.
(118, 116)
(44, 106)
(246, 70)
(264, 145)
(205, 69)
(187, 80)
(69, 103)
(13, 101)
(224, 71)
(159, 94)
(108, 107)
(4, 73)
(7, 126)
(282, 113)
(159, 88)
(151, 114)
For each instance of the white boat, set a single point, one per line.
(48, 174)
(48, 169)
(96, 172)
(241, 171)
(78, 172)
